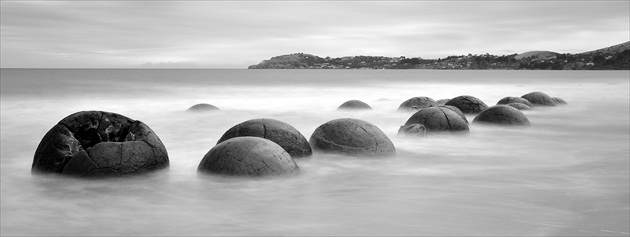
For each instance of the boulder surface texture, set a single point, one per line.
(417, 103)
(511, 99)
(439, 119)
(248, 156)
(468, 104)
(285, 135)
(456, 110)
(96, 143)
(354, 104)
(352, 137)
(202, 108)
(502, 115)
(415, 129)
(538, 98)
(559, 101)
(520, 106)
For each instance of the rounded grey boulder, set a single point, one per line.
(285, 135)
(502, 115)
(202, 108)
(417, 103)
(97, 143)
(559, 101)
(468, 104)
(438, 119)
(248, 156)
(519, 106)
(352, 137)
(354, 105)
(510, 99)
(538, 98)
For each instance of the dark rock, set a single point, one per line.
(417, 103)
(96, 143)
(520, 106)
(468, 104)
(502, 115)
(510, 99)
(202, 108)
(413, 130)
(351, 137)
(438, 119)
(538, 98)
(248, 156)
(354, 104)
(559, 101)
(285, 135)
(442, 101)
(456, 110)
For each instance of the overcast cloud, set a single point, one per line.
(236, 34)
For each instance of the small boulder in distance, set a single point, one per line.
(354, 105)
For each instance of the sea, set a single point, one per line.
(565, 175)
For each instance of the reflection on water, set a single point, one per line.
(567, 174)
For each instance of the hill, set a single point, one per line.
(615, 57)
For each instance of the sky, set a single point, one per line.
(236, 34)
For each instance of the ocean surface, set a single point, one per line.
(566, 174)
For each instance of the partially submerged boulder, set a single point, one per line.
(97, 143)
(415, 129)
(202, 108)
(511, 99)
(538, 98)
(352, 137)
(438, 119)
(285, 135)
(502, 115)
(354, 105)
(559, 101)
(519, 106)
(468, 104)
(248, 156)
(417, 103)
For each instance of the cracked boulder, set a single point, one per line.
(285, 135)
(510, 99)
(352, 137)
(538, 98)
(415, 129)
(96, 143)
(439, 119)
(519, 106)
(468, 104)
(202, 108)
(248, 156)
(354, 105)
(417, 103)
(456, 110)
(502, 115)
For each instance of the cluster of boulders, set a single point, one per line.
(104, 144)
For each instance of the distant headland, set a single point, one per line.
(616, 57)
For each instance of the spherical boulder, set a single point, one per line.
(96, 144)
(502, 115)
(559, 101)
(285, 135)
(354, 105)
(415, 129)
(248, 156)
(202, 108)
(417, 103)
(352, 137)
(538, 98)
(510, 99)
(456, 110)
(468, 104)
(519, 106)
(438, 119)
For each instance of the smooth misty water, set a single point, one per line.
(567, 174)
